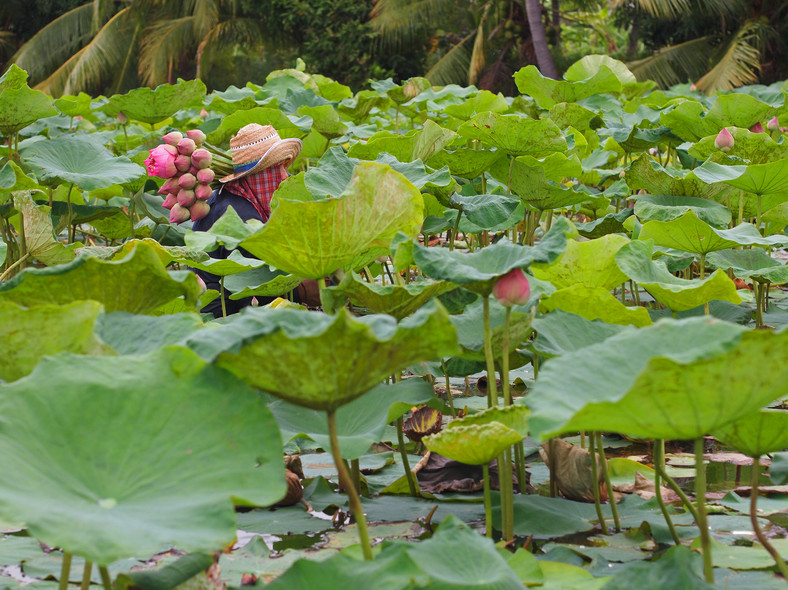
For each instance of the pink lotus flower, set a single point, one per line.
(172, 138)
(161, 163)
(773, 124)
(179, 214)
(201, 158)
(724, 140)
(757, 128)
(203, 192)
(512, 288)
(199, 210)
(197, 136)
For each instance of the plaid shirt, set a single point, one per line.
(258, 187)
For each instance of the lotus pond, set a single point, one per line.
(550, 350)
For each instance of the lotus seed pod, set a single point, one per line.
(197, 136)
(199, 210)
(172, 138)
(773, 124)
(512, 288)
(170, 201)
(183, 163)
(724, 140)
(201, 158)
(205, 176)
(179, 214)
(186, 146)
(186, 197)
(168, 186)
(187, 181)
(203, 192)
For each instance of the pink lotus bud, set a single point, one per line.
(197, 136)
(186, 146)
(201, 158)
(204, 113)
(171, 149)
(203, 286)
(160, 163)
(172, 138)
(205, 176)
(179, 214)
(512, 288)
(183, 163)
(693, 88)
(193, 169)
(168, 186)
(724, 140)
(773, 124)
(757, 128)
(186, 197)
(122, 119)
(187, 181)
(169, 201)
(199, 210)
(203, 192)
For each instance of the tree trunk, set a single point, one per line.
(543, 58)
(634, 34)
(557, 21)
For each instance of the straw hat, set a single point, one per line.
(257, 147)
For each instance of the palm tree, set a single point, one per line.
(732, 56)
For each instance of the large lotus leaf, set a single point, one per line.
(13, 179)
(21, 106)
(229, 230)
(470, 329)
(486, 211)
(154, 105)
(595, 303)
(129, 333)
(757, 148)
(646, 174)
(30, 334)
(589, 65)
(408, 90)
(687, 120)
(557, 166)
(516, 135)
(634, 137)
(612, 223)
(678, 567)
(756, 434)
(345, 356)
(770, 179)
(262, 281)
(669, 207)
(690, 234)
(591, 263)
(547, 92)
(81, 160)
(674, 293)
(231, 100)
(514, 417)
(682, 379)
(360, 423)
(753, 263)
(165, 413)
(325, 120)
(138, 283)
(74, 106)
(530, 183)
(479, 270)
(560, 332)
(357, 108)
(482, 101)
(261, 115)
(233, 264)
(39, 234)
(396, 300)
(475, 444)
(416, 144)
(465, 161)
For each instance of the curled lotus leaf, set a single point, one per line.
(756, 434)
(153, 105)
(591, 263)
(476, 444)
(547, 92)
(515, 135)
(753, 263)
(514, 417)
(595, 303)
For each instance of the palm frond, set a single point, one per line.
(206, 16)
(675, 64)
(401, 21)
(672, 9)
(246, 31)
(162, 42)
(55, 43)
(56, 82)
(452, 68)
(738, 62)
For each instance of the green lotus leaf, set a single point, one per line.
(612, 223)
(690, 234)
(470, 329)
(591, 263)
(129, 333)
(687, 120)
(229, 231)
(261, 115)
(155, 105)
(595, 303)
(166, 412)
(634, 137)
(313, 239)
(530, 183)
(74, 106)
(756, 434)
(682, 379)
(360, 423)
(670, 207)
(548, 92)
(515, 135)
(677, 294)
(408, 90)
(398, 301)
(14, 77)
(646, 174)
(479, 270)
(753, 263)
(589, 65)
(12, 179)
(476, 444)
(678, 567)
(486, 211)
(325, 120)
(482, 101)
(231, 100)
(357, 108)
(465, 161)
(768, 180)
(30, 334)
(757, 148)
(262, 281)
(81, 160)
(514, 417)
(39, 234)
(559, 332)
(20, 106)
(418, 144)
(139, 283)
(234, 263)
(347, 356)
(93, 214)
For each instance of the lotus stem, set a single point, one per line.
(71, 215)
(679, 492)
(519, 463)
(448, 388)
(756, 472)
(22, 235)
(344, 481)
(507, 396)
(659, 464)
(488, 521)
(548, 223)
(355, 472)
(582, 439)
(741, 207)
(507, 494)
(703, 276)
(414, 490)
(595, 486)
(758, 215)
(700, 501)
(105, 579)
(65, 571)
(14, 265)
(86, 572)
(492, 389)
(552, 468)
(221, 294)
(454, 231)
(608, 484)
(509, 181)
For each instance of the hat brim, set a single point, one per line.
(284, 150)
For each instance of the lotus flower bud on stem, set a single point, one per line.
(205, 176)
(183, 163)
(773, 124)
(203, 286)
(179, 214)
(122, 118)
(197, 136)
(168, 186)
(203, 192)
(186, 146)
(201, 158)
(172, 138)
(757, 128)
(724, 140)
(203, 113)
(512, 288)
(199, 210)
(187, 181)
(170, 201)
(693, 88)
(186, 197)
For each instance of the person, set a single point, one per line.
(260, 160)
